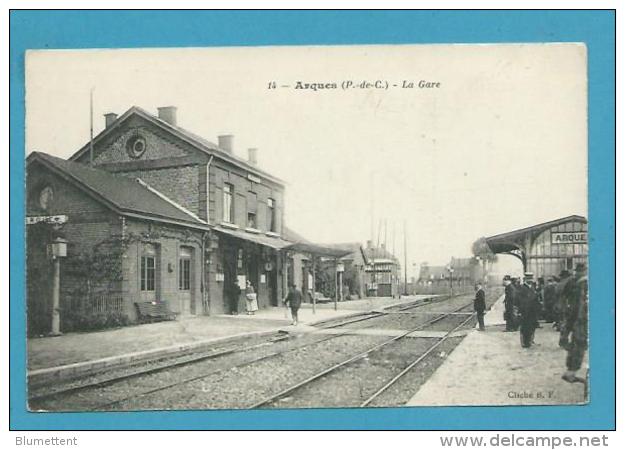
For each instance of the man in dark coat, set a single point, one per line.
(234, 292)
(508, 302)
(577, 339)
(529, 309)
(565, 291)
(549, 300)
(294, 300)
(479, 305)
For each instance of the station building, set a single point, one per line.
(546, 248)
(154, 213)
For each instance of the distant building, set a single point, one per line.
(383, 272)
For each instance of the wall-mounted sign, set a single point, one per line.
(47, 219)
(573, 237)
(263, 278)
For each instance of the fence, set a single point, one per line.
(101, 302)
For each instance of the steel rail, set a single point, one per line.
(254, 360)
(188, 361)
(273, 398)
(147, 371)
(414, 363)
(160, 368)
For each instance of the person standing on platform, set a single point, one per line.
(528, 309)
(571, 297)
(561, 301)
(234, 293)
(479, 305)
(576, 340)
(565, 291)
(251, 301)
(294, 300)
(508, 302)
(549, 299)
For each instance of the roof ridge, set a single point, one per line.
(201, 143)
(169, 200)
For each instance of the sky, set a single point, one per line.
(499, 144)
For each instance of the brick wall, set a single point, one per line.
(180, 184)
(220, 174)
(114, 148)
(88, 224)
(167, 240)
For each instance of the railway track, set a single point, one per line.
(189, 360)
(319, 375)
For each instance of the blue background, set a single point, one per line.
(90, 29)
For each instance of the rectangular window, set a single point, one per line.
(251, 220)
(147, 273)
(271, 214)
(228, 203)
(252, 206)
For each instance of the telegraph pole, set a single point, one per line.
(91, 127)
(405, 261)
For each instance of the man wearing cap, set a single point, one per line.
(577, 338)
(564, 279)
(529, 309)
(508, 302)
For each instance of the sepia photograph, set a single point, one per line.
(284, 227)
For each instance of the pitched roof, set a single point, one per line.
(196, 141)
(126, 195)
(374, 253)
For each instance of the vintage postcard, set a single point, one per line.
(307, 227)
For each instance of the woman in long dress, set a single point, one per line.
(251, 301)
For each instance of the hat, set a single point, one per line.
(580, 267)
(506, 278)
(564, 273)
(528, 276)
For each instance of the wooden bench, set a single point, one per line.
(153, 311)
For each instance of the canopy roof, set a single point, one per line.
(513, 240)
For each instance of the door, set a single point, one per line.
(185, 280)
(230, 278)
(148, 273)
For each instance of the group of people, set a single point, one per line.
(562, 302)
(251, 299)
(293, 300)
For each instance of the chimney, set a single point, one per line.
(225, 142)
(109, 119)
(251, 156)
(168, 114)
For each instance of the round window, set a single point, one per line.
(136, 146)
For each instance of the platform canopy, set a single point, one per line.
(518, 242)
(257, 238)
(318, 250)
(300, 244)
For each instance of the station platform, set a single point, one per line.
(491, 368)
(105, 348)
